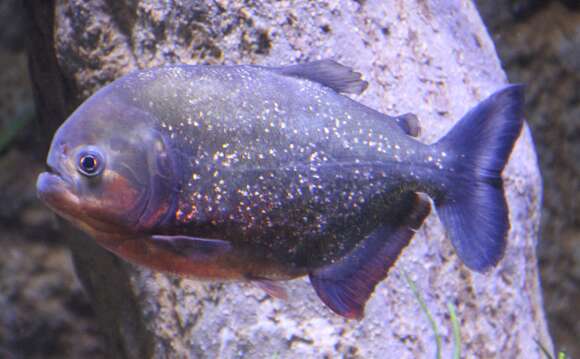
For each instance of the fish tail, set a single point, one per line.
(474, 210)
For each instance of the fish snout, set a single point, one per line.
(54, 192)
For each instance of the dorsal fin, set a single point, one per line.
(346, 285)
(329, 73)
(410, 124)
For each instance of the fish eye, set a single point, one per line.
(90, 163)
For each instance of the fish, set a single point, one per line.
(266, 174)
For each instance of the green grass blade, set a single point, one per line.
(425, 310)
(456, 331)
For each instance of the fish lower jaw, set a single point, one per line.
(54, 192)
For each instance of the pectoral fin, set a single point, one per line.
(345, 286)
(192, 247)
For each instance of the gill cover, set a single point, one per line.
(162, 188)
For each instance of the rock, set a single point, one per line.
(431, 58)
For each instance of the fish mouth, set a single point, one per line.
(55, 192)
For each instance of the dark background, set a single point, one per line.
(43, 312)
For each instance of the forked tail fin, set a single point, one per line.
(474, 211)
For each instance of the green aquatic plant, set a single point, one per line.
(456, 327)
(452, 313)
(413, 286)
(456, 331)
(559, 355)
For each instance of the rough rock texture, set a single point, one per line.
(539, 45)
(432, 58)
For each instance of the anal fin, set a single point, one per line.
(345, 286)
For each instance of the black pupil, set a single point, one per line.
(89, 163)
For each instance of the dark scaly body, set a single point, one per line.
(254, 173)
(299, 179)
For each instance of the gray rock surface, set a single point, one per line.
(431, 58)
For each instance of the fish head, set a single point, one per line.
(110, 170)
